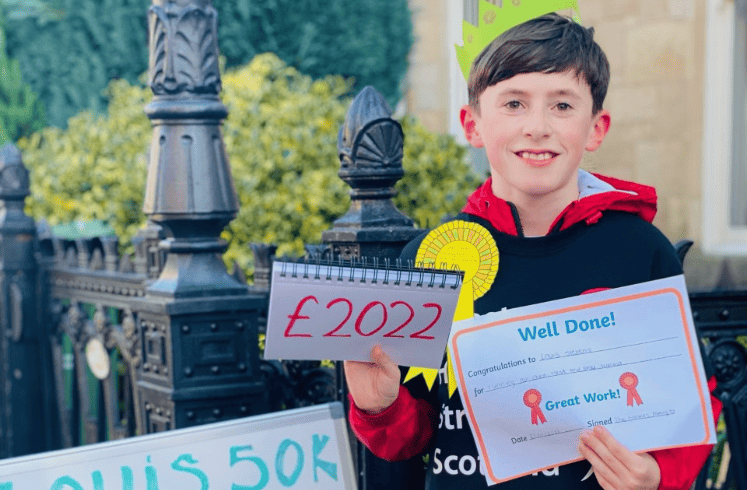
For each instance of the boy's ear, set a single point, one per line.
(468, 118)
(599, 130)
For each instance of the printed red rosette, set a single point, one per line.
(532, 399)
(629, 381)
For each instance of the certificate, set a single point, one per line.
(533, 378)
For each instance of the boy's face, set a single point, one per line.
(535, 128)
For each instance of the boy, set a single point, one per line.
(535, 105)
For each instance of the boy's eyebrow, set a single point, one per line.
(554, 93)
(514, 91)
(565, 93)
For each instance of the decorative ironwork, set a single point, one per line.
(318, 251)
(111, 254)
(126, 338)
(23, 366)
(158, 417)
(729, 360)
(149, 257)
(346, 251)
(183, 48)
(262, 254)
(189, 189)
(720, 319)
(67, 414)
(370, 145)
(154, 339)
(294, 384)
(14, 178)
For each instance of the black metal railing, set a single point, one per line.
(721, 321)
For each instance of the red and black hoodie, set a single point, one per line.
(603, 240)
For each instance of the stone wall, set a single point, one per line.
(656, 102)
(656, 53)
(428, 76)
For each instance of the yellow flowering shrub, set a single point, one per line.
(281, 138)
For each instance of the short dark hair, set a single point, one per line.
(548, 44)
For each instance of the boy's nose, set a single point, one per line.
(537, 125)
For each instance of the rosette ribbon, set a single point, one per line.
(629, 381)
(532, 399)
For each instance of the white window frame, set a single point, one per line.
(719, 237)
(458, 85)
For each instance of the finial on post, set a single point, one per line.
(370, 145)
(14, 178)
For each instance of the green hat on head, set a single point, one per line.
(494, 21)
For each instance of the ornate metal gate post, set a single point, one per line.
(370, 149)
(24, 353)
(370, 146)
(199, 339)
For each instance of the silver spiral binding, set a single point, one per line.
(420, 275)
(432, 268)
(318, 267)
(409, 273)
(365, 269)
(421, 269)
(376, 270)
(329, 272)
(443, 277)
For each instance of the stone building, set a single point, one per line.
(678, 103)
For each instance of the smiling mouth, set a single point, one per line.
(536, 157)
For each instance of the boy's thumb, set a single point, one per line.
(378, 355)
(382, 359)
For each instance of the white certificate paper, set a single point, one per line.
(533, 378)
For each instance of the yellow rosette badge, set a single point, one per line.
(470, 248)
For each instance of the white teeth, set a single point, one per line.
(536, 156)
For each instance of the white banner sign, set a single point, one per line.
(305, 449)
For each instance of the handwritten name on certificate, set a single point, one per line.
(533, 378)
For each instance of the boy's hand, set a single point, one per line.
(373, 385)
(615, 467)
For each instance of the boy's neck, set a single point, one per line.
(536, 219)
(537, 213)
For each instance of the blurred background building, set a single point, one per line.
(678, 105)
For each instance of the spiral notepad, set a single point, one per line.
(339, 311)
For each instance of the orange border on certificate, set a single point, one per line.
(457, 364)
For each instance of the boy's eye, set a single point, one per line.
(513, 104)
(563, 106)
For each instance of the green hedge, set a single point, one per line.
(69, 61)
(367, 40)
(281, 138)
(21, 111)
